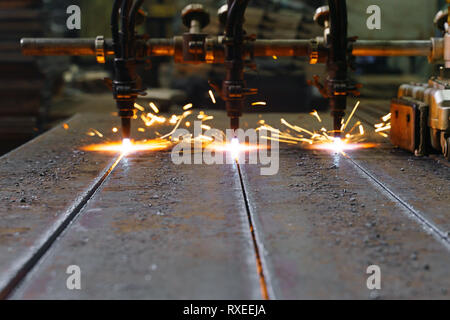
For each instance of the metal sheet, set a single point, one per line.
(321, 224)
(420, 181)
(155, 231)
(41, 184)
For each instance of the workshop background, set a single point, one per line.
(38, 93)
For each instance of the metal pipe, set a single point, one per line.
(281, 48)
(260, 48)
(62, 47)
(393, 48)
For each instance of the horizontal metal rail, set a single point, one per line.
(258, 48)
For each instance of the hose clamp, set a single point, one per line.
(314, 55)
(100, 49)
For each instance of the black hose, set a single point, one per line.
(124, 15)
(338, 37)
(133, 15)
(234, 27)
(115, 26)
(235, 18)
(337, 64)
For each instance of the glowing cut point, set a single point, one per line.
(235, 148)
(126, 146)
(338, 145)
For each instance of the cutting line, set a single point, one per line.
(52, 237)
(259, 264)
(420, 218)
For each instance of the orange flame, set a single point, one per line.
(127, 146)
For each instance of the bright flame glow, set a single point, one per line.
(339, 145)
(235, 148)
(127, 146)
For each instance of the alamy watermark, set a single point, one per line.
(255, 147)
(374, 20)
(74, 20)
(374, 280)
(73, 281)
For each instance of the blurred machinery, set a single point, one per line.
(420, 116)
(21, 78)
(26, 83)
(236, 50)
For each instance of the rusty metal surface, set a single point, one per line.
(155, 231)
(321, 224)
(423, 183)
(41, 184)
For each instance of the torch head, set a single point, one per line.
(126, 128)
(234, 123)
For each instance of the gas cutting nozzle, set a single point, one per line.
(126, 128)
(234, 123)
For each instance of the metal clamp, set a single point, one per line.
(100, 49)
(314, 55)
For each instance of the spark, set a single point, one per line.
(94, 132)
(275, 57)
(205, 127)
(139, 107)
(184, 116)
(213, 98)
(351, 116)
(315, 114)
(141, 129)
(66, 126)
(259, 103)
(387, 117)
(188, 124)
(296, 128)
(385, 128)
(115, 130)
(188, 106)
(154, 107)
(150, 119)
(202, 116)
(321, 139)
(173, 119)
(361, 129)
(380, 128)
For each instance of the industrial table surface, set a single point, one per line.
(145, 228)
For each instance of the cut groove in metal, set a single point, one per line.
(419, 217)
(52, 238)
(259, 265)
